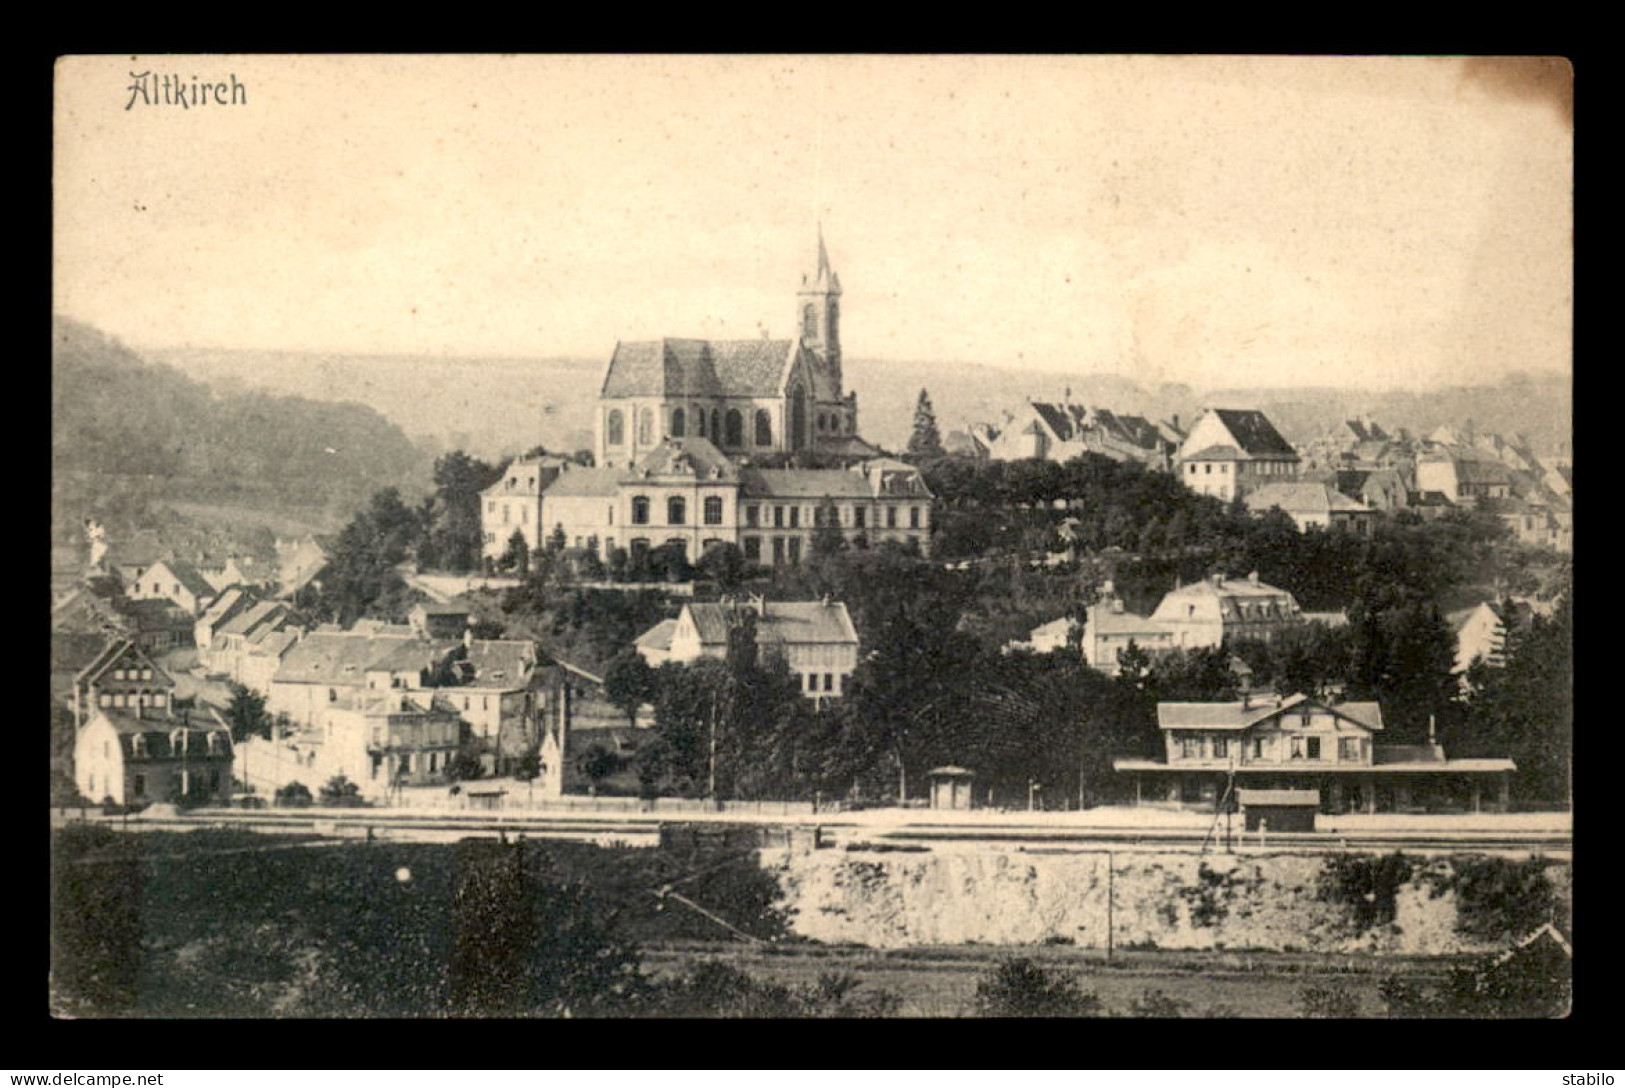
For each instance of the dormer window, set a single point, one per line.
(138, 745)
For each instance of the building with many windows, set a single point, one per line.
(1302, 743)
(686, 492)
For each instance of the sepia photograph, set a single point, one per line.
(811, 536)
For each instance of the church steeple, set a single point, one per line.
(819, 318)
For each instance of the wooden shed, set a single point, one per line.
(950, 787)
(1279, 810)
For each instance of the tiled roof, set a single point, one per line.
(263, 612)
(585, 483)
(700, 368)
(407, 655)
(1304, 498)
(790, 622)
(501, 663)
(657, 637)
(225, 606)
(275, 643)
(1216, 453)
(1241, 714)
(187, 575)
(326, 657)
(802, 483)
(1253, 431)
(1103, 621)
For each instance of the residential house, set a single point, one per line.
(1061, 431)
(1047, 637)
(1465, 477)
(1313, 506)
(131, 745)
(1305, 743)
(235, 639)
(1111, 629)
(1380, 489)
(1206, 613)
(176, 581)
(134, 757)
(815, 638)
(1231, 451)
(232, 600)
(438, 621)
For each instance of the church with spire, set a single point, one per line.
(745, 397)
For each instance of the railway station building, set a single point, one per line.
(1304, 743)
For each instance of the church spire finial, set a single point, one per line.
(823, 254)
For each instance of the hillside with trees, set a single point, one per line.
(127, 435)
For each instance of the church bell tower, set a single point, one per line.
(819, 319)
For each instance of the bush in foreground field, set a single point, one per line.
(1020, 987)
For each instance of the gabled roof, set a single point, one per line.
(225, 606)
(790, 622)
(1244, 713)
(580, 483)
(691, 456)
(1217, 453)
(698, 368)
(111, 653)
(501, 663)
(1304, 498)
(1254, 434)
(657, 637)
(409, 655)
(802, 483)
(186, 574)
(244, 622)
(339, 657)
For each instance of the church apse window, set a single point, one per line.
(764, 427)
(646, 426)
(678, 422)
(716, 425)
(736, 428)
(615, 428)
(809, 322)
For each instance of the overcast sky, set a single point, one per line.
(1215, 221)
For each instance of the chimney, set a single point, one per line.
(1253, 578)
(1247, 699)
(468, 636)
(1217, 579)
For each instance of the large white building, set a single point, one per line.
(678, 425)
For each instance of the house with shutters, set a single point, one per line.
(1212, 749)
(1206, 613)
(130, 743)
(1231, 451)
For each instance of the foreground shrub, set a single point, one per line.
(1020, 987)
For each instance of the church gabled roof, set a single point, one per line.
(699, 368)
